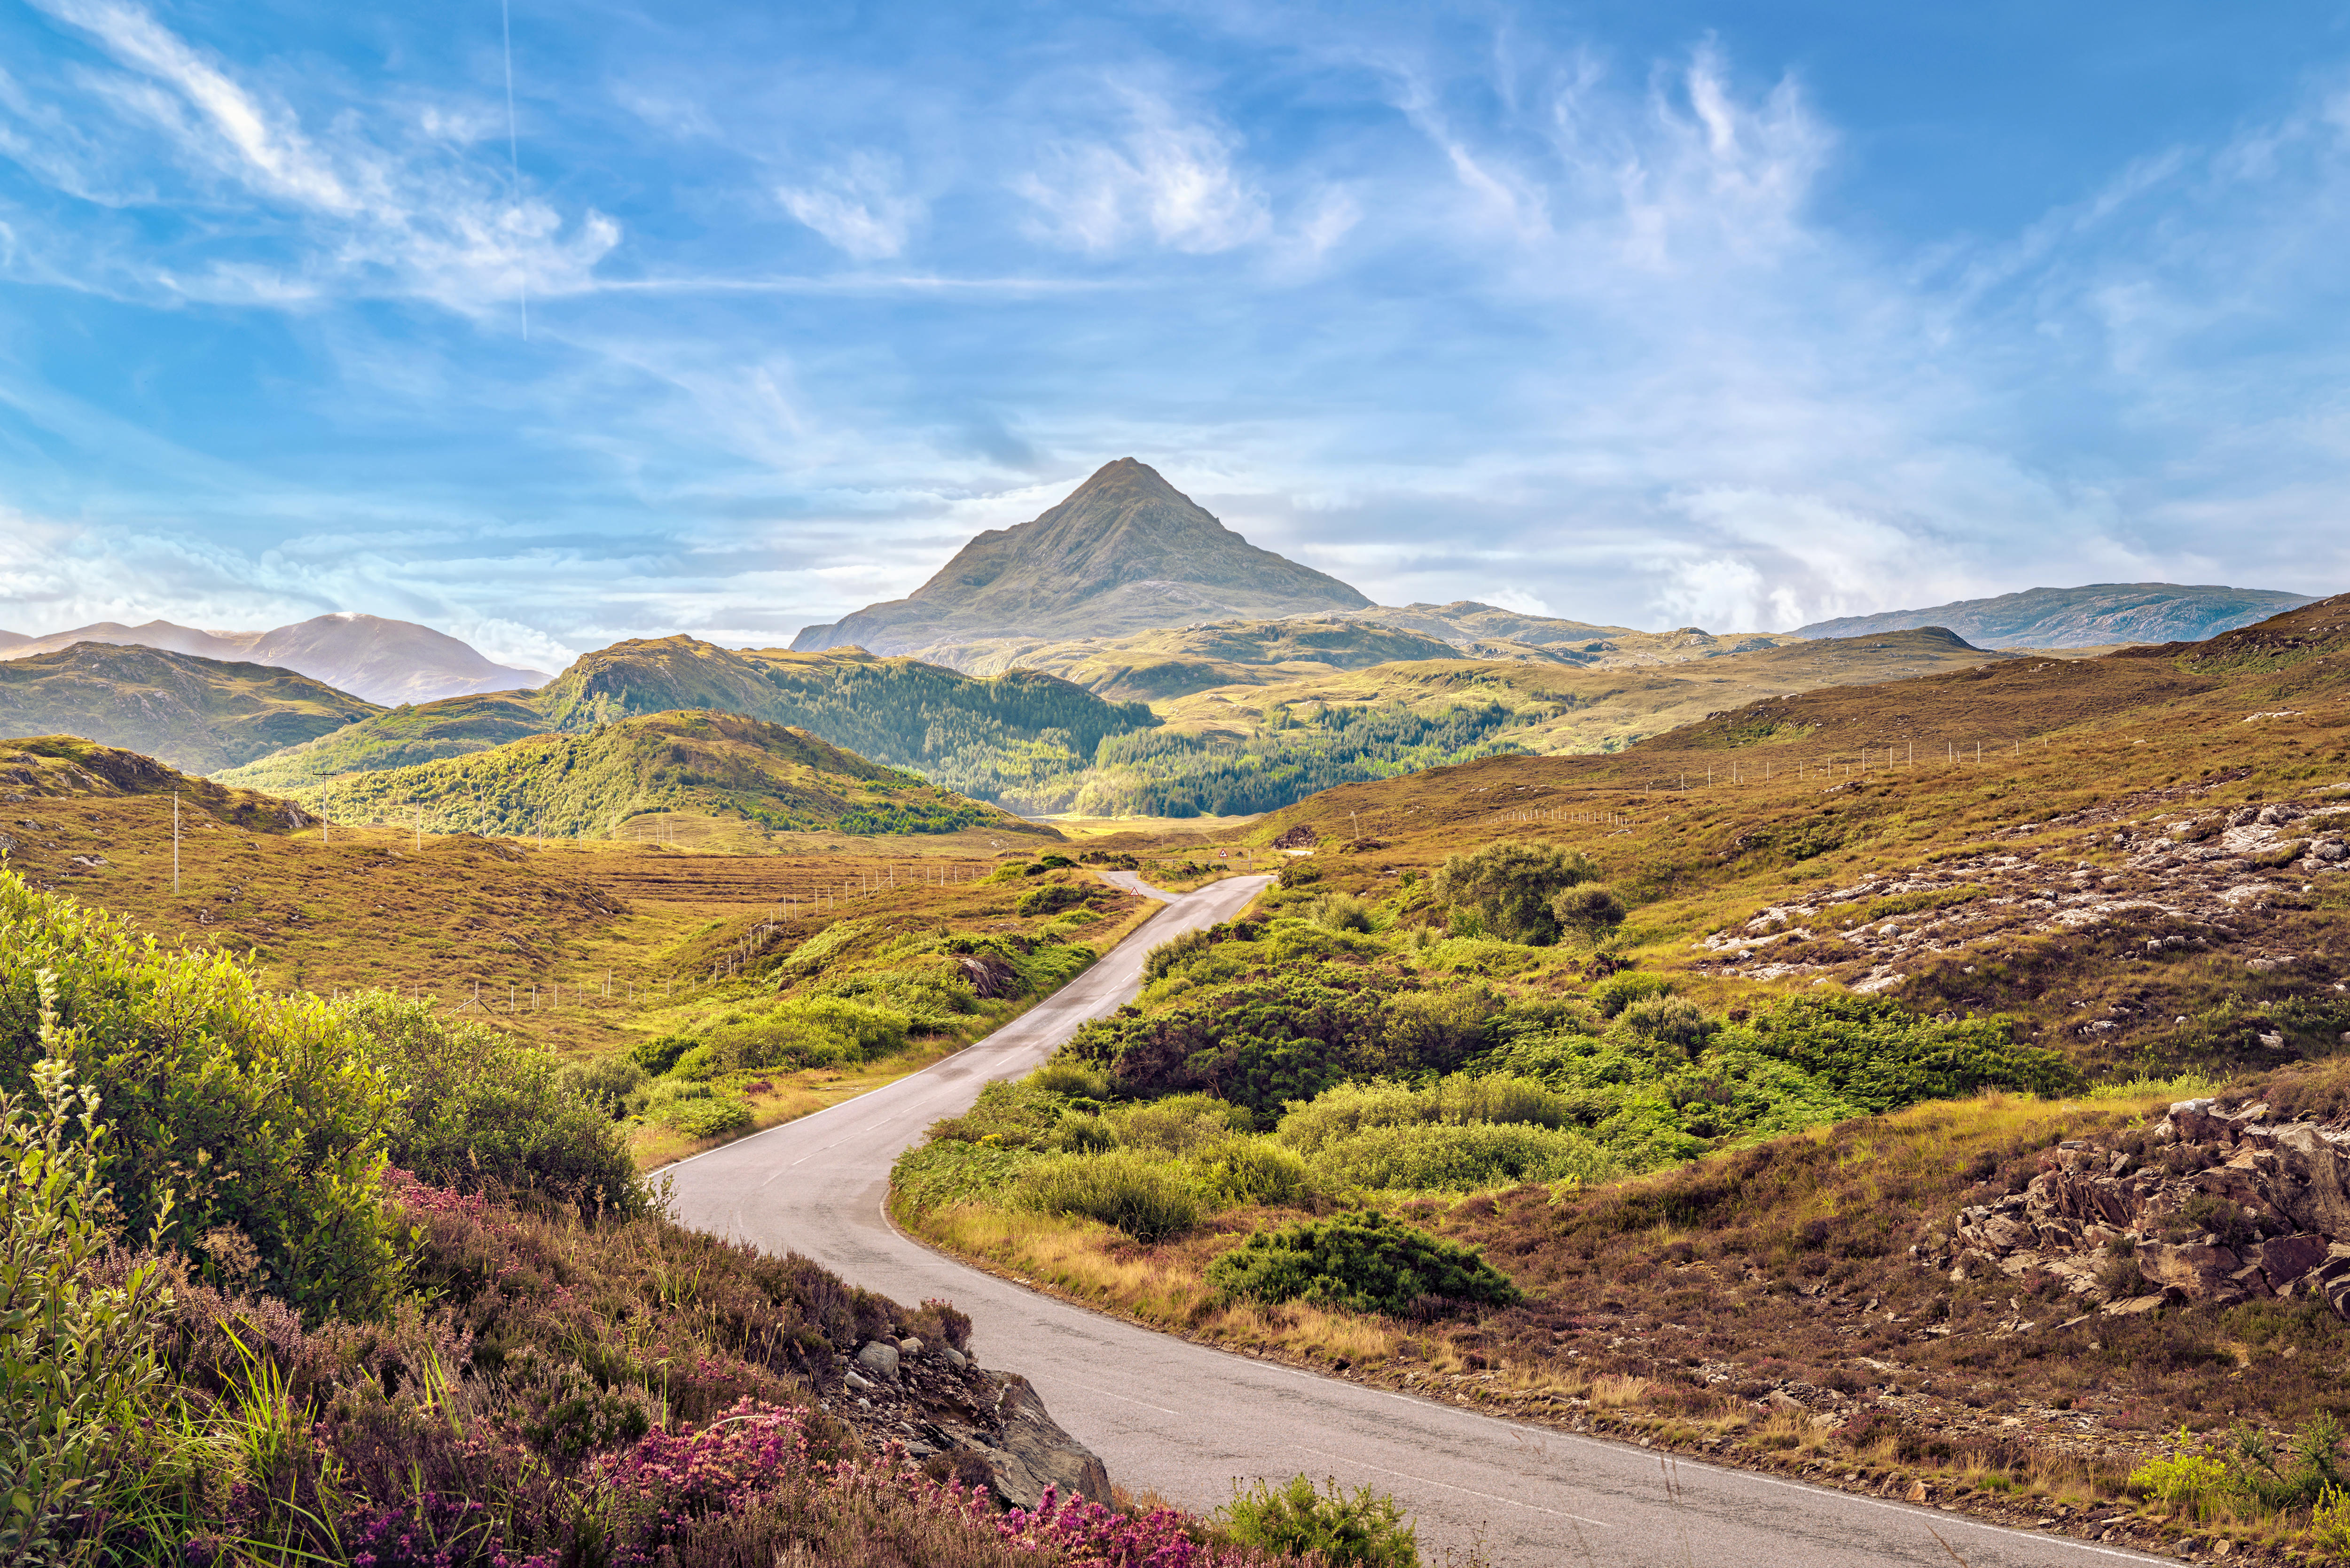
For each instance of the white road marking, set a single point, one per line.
(1144, 1403)
(1472, 1492)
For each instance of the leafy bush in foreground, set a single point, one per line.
(476, 1109)
(1347, 1527)
(262, 1114)
(1359, 1262)
(77, 1359)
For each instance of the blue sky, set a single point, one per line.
(1647, 313)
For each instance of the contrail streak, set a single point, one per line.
(513, 153)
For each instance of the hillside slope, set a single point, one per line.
(199, 714)
(2088, 616)
(384, 661)
(996, 738)
(1126, 551)
(591, 782)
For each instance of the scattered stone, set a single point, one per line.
(879, 1360)
(909, 1347)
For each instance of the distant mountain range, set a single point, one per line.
(387, 662)
(2088, 616)
(198, 714)
(1127, 552)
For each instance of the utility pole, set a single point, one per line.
(175, 844)
(416, 822)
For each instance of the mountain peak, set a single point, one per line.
(1125, 552)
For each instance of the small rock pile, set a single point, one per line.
(2210, 1207)
(942, 1404)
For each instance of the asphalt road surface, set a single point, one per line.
(1187, 1422)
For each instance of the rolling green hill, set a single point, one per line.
(198, 714)
(998, 739)
(590, 781)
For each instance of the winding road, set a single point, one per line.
(1185, 1420)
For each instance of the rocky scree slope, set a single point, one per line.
(2195, 873)
(2213, 1207)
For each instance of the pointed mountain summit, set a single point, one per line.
(1127, 552)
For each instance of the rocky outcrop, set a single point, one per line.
(2210, 1205)
(964, 1421)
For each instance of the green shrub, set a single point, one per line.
(1467, 1158)
(78, 1363)
(1017, 1114)
(1618, 992)
(1350, 1529)
(1178, 1124)
(696, 1065)
(1338, 913)
(1049, 898)
(1124, 1190)
(2189, 1483)
(1300, 873)
(263, 1115)
(476, 1110)
(1673, 1021)
(1589, 909)
(810, 1031)
(1064, 1074)
(1509, 887)
(948, 1170)
(658, 1056)
(709, 1115)
(1083, 1133)
(1359, 1262)
(1351, 1108)
(1881, 1055)
(610, 1083)
(1255, 1170)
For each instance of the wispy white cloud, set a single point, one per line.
(389, 204)
(860, 206)
(1158, 174)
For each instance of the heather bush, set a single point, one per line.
(1359, 1262)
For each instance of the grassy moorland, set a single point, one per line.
(849, 955)
(1637, 1092)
